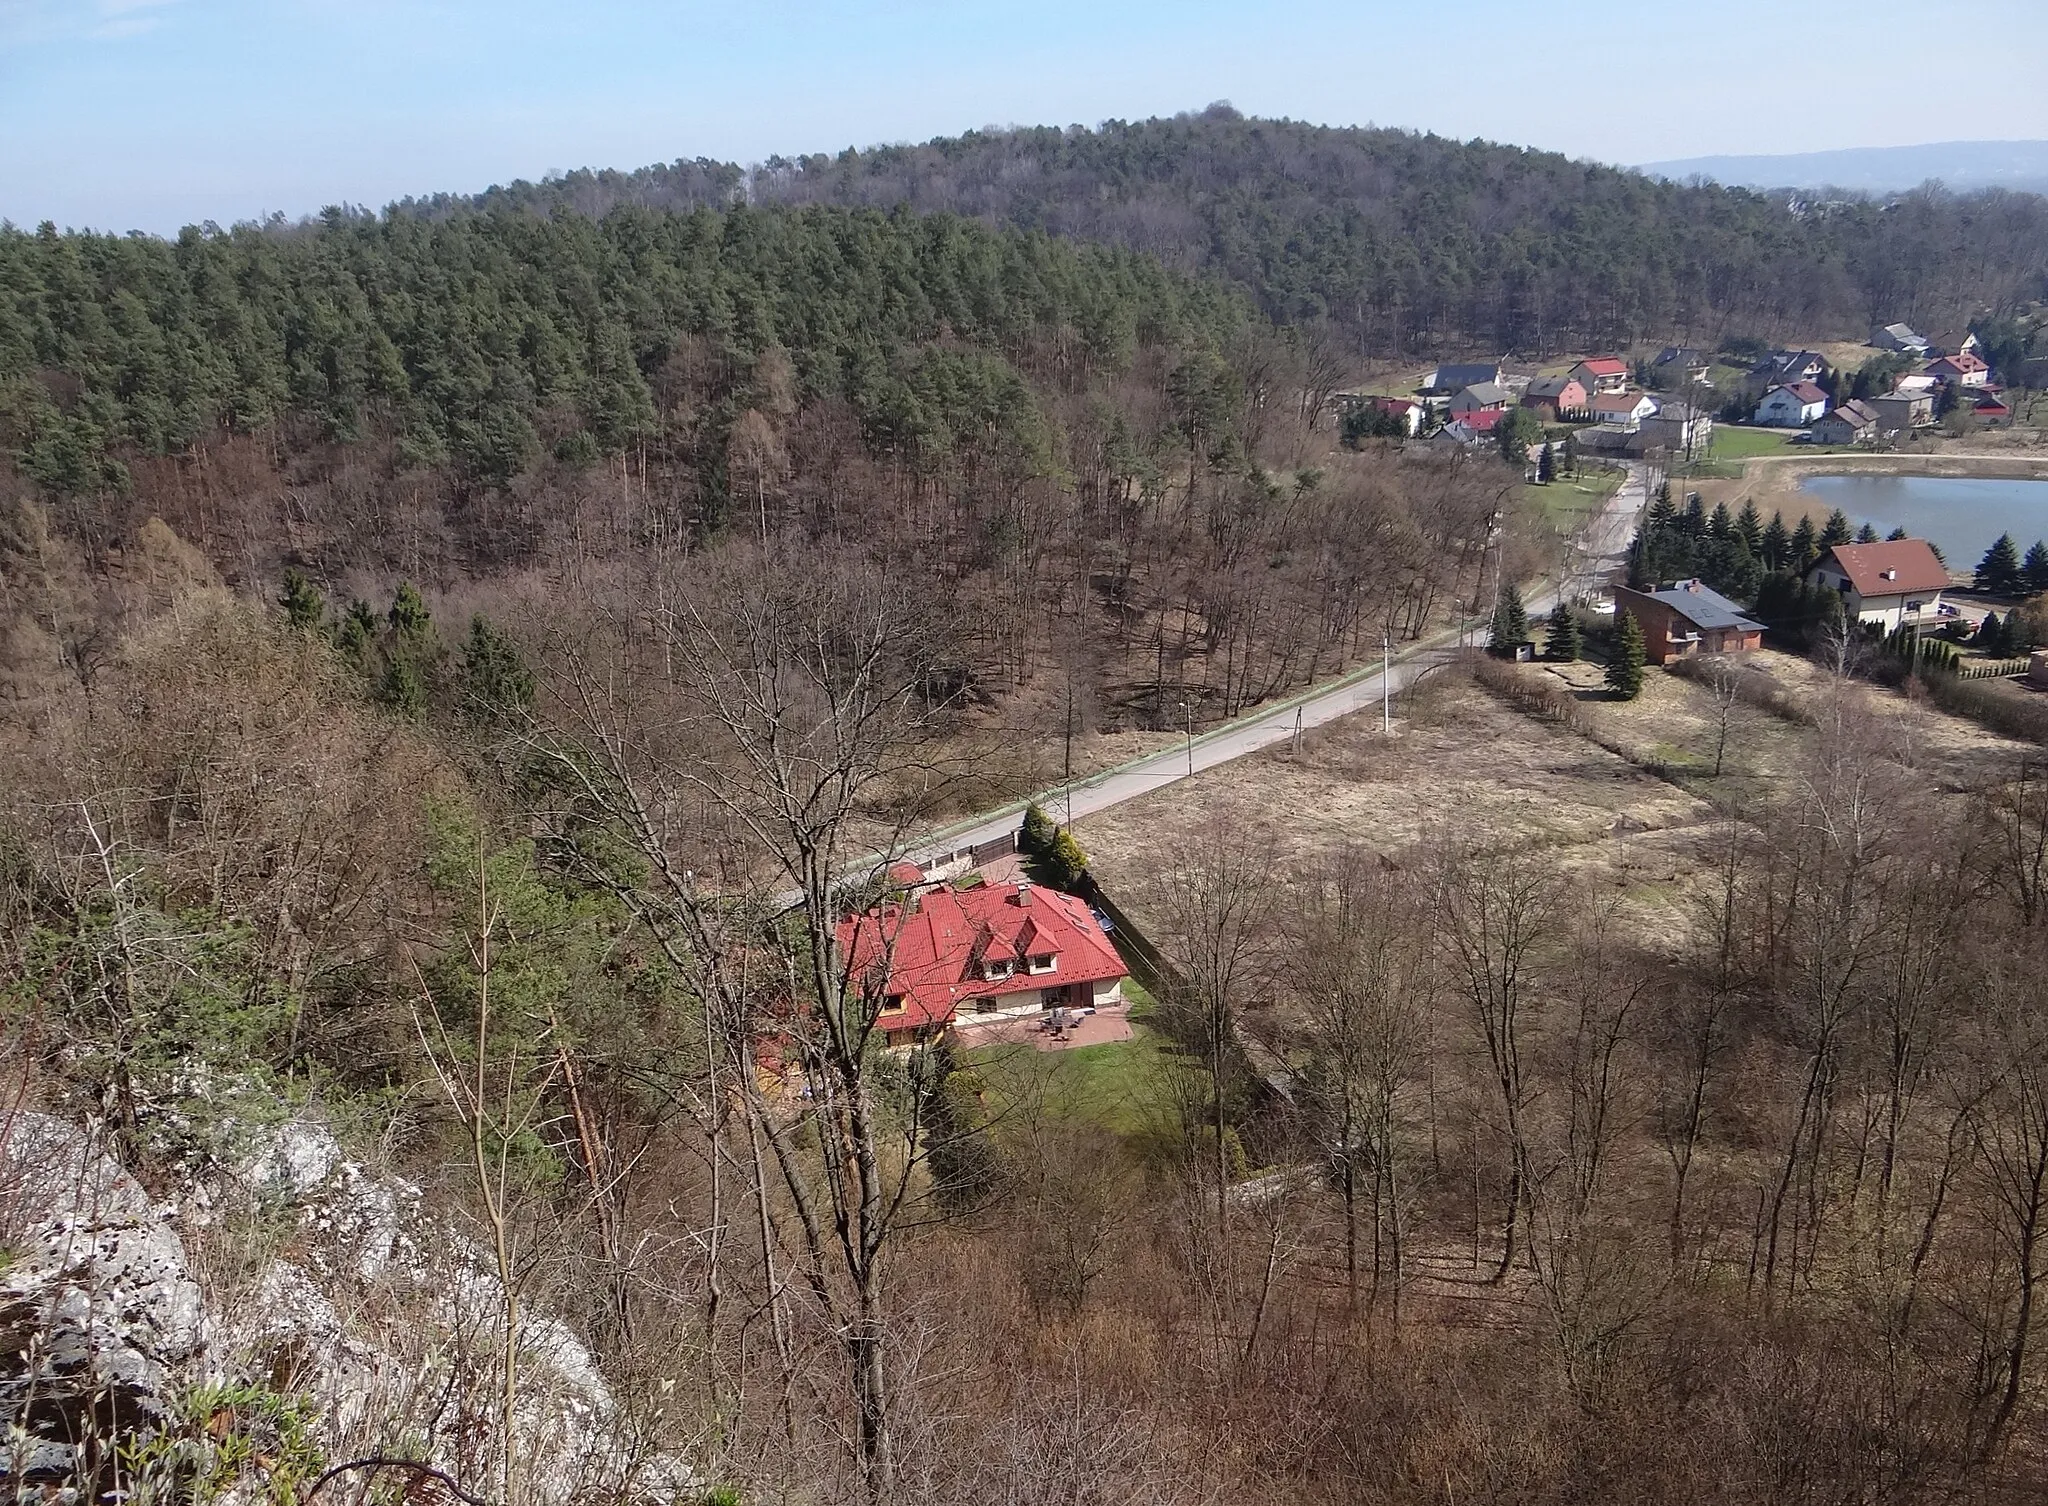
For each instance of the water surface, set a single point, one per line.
(1961, 515)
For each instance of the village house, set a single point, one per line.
(1470, 428)
(1855, 420)
(1456, 378)
(1953, 343)
(1678, 365)
(1479, 398)
(1900, 412)
(1791, 407)
(1687, 618)
(1556, 398)
(1899, 337)
(1678, 428)
(1993, 411)
(1598, 374)
(1623, 410)
(1782, 367)
(1406, 409)
(1908, 383)
(1965, 370)
(1888, 584)
(986, 954)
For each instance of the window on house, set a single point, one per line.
(998, 969)
(1044, 962)
(984, 1005)
(892, 1004)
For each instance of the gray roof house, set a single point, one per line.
(1899, 337)
(1456, 378)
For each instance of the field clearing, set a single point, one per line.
(1628, 806)
(1460, 763)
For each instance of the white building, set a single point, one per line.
(1793, 406)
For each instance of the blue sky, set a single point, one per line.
(150, 114)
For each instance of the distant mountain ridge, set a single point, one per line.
(1965, 166)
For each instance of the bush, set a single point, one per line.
(1538, 694)
(1989, 703)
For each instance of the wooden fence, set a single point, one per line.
(1997, 669)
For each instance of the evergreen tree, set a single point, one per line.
(1777, 543)
(1987, 636)
(1035, 837)
(1866, 535)
(2034, 568)
(1895, 535)
(1662, 514)
(1749, 527)
(402, 687)
(302, 605)
(497, 686)
(1999, 571)
(1546, 465)
(1625, 664)
(358, 632)
(1571, 453)
(1804, 548)
(1565, 641)
(1510, 622)
(2014, 637)
(1835, 530)
(1720, 526)
(408, 616)
(1694, 519)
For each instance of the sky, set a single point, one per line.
(152, 114)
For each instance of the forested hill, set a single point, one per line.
(1410, 241)
(483, 343)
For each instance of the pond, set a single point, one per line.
(1961, 515)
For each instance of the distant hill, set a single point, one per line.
(1963, 166)
(1397, 241)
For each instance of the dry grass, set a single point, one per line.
(1626, 803)
(1461, 763)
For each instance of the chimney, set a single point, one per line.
(1889, 574)
(1024, 893)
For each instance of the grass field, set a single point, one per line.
(1731, 443)
(1567, 501)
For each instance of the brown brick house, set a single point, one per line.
(1688, 618)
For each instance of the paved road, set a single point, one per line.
(1601, 546)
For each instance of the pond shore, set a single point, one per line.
(1772, 481)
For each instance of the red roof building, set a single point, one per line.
(999, 950)
(1968, 369)
(1890, 584)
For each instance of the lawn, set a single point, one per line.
(1128, 1087)
(1731, 443)
(1567, 500)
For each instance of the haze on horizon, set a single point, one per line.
(152, 114)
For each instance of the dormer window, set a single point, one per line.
(892, 1004)
(995, 970)
(1044, 962)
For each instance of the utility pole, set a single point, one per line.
(1187, 711)
(1068, 778)
(1297, 732)
(1387, 682)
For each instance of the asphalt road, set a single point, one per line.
(1600, 547)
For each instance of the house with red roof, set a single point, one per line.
(1598, 374)
(989, 953)
(1625, 409)
(1993, 410)
(1965, 369)
(1890, 584)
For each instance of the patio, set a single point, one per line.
(1099, 1028)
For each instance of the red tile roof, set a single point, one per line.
(1397, 405)
(1806, 392)
(1604, 366)
(932, 951)
(1481, 420)
(1962, 365)
(1889, 569)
